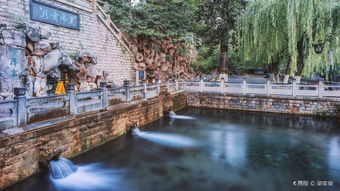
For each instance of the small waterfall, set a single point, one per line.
(61, 168)
(92, 177)
(166, 139)
(173, 115)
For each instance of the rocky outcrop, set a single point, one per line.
(30, 59)
(166, 59)
(48, 59)
(89, 75)
(44, 60)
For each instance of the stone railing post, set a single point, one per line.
(268, 87)
(145, 90)
(321, 89)
(127, 90)
(176, 85)
(158, 87)
(105, 96)
(222, 86)
(72, 99)
(244, 86)
(201, 86)
(21, 106)
(168, 86)
(294, 88)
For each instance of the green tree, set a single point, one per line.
(283, 34)
(156, 18)
(217, 24)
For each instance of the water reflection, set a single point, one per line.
(334, 157)
(236, 151)
(230, 146)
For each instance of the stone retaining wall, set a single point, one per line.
(273, 104)
(20, 154)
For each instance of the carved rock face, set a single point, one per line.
(40, 87)
(84, 86)
(92, 71)
(85, 56)
(52, 60)
(65, 60)
(44, 59)
(12, 37)
(45, 33)
(33, 33)
(42, 48)
(41, 59)
(37, 65)
(57, 58)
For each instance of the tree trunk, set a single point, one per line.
(300, 60)
(273, 69)
(301, 56)
(287, 71)
(223, 56)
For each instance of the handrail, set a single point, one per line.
(293, 89)
(112, 27)
(46, 97)
(73, 104)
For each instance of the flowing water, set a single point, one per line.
(166, 139)
(219, 150)
(173, 115)
(61, 168)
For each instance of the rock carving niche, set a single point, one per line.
(48, 60)
(30, 59)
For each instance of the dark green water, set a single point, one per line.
(234, 151)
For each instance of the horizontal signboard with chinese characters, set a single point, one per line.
(53, 15)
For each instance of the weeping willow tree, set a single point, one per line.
(282, 35)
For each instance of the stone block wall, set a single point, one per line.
(93, 34)
(273, 104)
(20, 154)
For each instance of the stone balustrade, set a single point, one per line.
(294, 89)
(23, 111)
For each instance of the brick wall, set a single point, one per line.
(20, 154)
(93, 35)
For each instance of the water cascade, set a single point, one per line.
(166, 139)
(173, 115)
(87, 177)
(61, 168)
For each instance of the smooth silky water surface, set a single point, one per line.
(230, 150)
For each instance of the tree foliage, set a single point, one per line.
(277, 34)
(286, 31)
(157, 18)
(217, 23)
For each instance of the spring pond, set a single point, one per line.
(217, 150)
